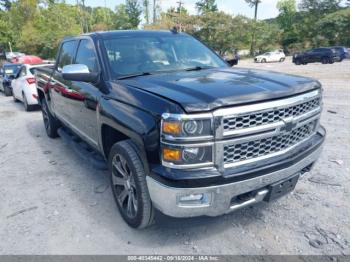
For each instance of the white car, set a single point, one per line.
(23, 86)
(270, 57)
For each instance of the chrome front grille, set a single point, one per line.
(269, 116)
(258, 148)
(255, 132)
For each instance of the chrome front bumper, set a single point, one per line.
(218, 199)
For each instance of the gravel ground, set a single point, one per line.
(54, 203)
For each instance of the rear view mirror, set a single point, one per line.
(78, 72)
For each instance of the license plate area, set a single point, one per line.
(281, 188)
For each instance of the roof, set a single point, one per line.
(123, 33)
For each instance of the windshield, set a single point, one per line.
(11, 69)
(140, 54)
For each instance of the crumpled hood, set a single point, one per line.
(206, 90)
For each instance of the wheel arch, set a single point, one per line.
(111, 134)
(41, 95)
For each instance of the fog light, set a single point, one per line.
(200, 200)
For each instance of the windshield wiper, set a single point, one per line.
(134, 75)
(198, 68)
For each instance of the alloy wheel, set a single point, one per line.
(125, 187)
(45, 116)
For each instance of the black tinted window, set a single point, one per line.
(11, 69)
(23, 71)
(86, 55)
(66, 54)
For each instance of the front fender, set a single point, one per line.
(140, 126)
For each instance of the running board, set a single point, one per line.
(82, 149)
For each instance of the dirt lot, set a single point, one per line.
(51, 202)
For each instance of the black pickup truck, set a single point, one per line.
(179, 129)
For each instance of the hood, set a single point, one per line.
(207, 90)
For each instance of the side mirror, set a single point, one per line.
(231, 62)
(78, 72)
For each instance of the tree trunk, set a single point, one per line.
(252, 46)
(154, 11)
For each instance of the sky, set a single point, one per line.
(267, 9)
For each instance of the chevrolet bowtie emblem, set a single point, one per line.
(289, 125)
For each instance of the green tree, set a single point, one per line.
(121, 18)
(43, 35)
(5, 5)
(255, 4)
(146, 10)
(101, 18)
(268, 36)
(6, 32)
(286, 21)
(319, 6)
(206, 6)
(134, 10)
(334, 28)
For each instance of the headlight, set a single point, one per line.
(187, 156)
(186, 140)
(186, 126)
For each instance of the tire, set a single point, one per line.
(281, 59)
(129, 187)
(14, 98)
(7, 91)
(297, 62)
(50, 122)
(324, 60)
(263, 60)
(25, 104)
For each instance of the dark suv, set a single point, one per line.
(342, 52)
(322, 54)
(7, 74)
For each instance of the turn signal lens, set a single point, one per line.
(171, 154)
(173, 128)
(31, 80)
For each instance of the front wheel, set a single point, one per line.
(263, 60)
(281, 59)
(129, 187)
